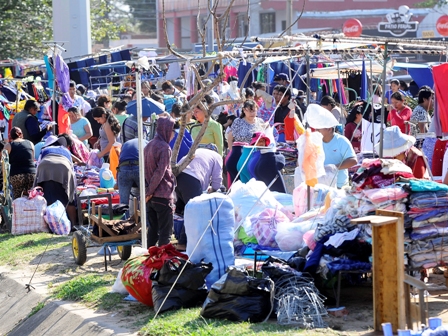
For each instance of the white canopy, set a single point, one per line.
(332, 72)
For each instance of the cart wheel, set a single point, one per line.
(79, 248)
(124, 251)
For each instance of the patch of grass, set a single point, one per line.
(39, 306)
(17, 250)
(92, 290)
(189, 322)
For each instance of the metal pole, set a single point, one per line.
(53, 106)
(289, 21)
(339, 86)
(210, 30)
(382, 99)
(141, 161)
(372, 113)
(308, 93)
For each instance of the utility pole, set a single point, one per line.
(210, 30)
(289, 20)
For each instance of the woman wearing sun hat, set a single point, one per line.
(400, 146)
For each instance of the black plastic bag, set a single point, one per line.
(193, 276)
(178, 298)
(190, 289)
(238, 297)
(276, 268)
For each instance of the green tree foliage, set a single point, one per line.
(430, 3)
(107, 20)
(24, 24)
(145, 14)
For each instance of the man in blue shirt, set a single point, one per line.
(339, 152)
(128, 169)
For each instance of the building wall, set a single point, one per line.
(187, 9)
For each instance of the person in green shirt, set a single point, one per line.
(213, 133)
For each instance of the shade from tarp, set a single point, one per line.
(332, 72)
(420, 73)
(149, 106)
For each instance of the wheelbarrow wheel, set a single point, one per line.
(124, 251)
(79, 248)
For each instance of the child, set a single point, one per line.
(160, 184)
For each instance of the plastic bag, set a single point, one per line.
(94, 160)
(178, 298)
(265, 226)
(137, 271)
(245, 196)
(311, 157)
(289, 236)
(118, 286)
(308, 238)
(57, 220)
(286, 200)
(239, 297)
(193, 276)
(190, 289)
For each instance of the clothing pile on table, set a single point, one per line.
(428, 208)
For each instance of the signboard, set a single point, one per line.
(398, 23)
(442, 25)
(352, 28)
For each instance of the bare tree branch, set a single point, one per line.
(168, 45)
(248, 21)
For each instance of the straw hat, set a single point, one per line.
(318, 117)
(395, 142)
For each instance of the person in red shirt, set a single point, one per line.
(400, 114)
(400, 146)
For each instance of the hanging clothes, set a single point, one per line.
(440, 73)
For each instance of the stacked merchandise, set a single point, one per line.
(428, 205)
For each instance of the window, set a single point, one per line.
(283, 25)
(267, 23)
(243, 27)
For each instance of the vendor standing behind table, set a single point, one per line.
(401, 147)
(213, 132)
(128, 169)
(28, 123)
(109, 131)
(337, 148)
(400, 114)
(79, 125)
(102, 101)
(204, 173)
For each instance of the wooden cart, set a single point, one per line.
(84, 238)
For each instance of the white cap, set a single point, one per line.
(105, 165)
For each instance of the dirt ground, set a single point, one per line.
(58, 266)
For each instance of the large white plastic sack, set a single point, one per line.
(118, 285)
(284, 199)
(245, 196)
(216, 245)
(289, 236)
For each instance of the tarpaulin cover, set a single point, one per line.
(440, 73)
